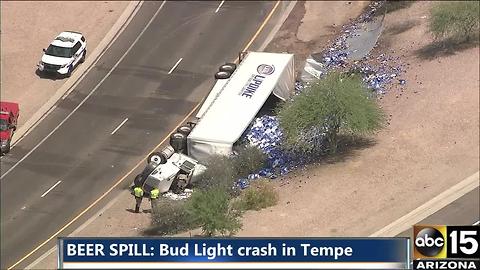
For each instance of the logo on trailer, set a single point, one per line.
(256, 80)
(265, 69)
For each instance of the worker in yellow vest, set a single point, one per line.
(138, 193)
(154, 193)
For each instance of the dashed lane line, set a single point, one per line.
(86, 98)
(219, 6)
(175, 66)
(50, 189)
(119, 126)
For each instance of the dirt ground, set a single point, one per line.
(311, 26)
(117, 219)
(430, 144)
(29, 26)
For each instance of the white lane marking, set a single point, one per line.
(476, 223)
(119, 126)
(97, 58)
(79, 229)
(175, 66)
(219, 6)
(88, 96)
(50, 189)
(35, 125)
(119, 195)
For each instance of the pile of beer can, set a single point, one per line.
(378, 72)
(266, 134)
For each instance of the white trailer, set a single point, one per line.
(228, 111)
(236, 98)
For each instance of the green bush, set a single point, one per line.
(337, 103)
(454, 19)
(219, 174)
(249, 160)
(261, 194)
(223, 171)
(170, 217)
(211, 210)
(393, 5)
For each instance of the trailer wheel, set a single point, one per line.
(222, 75)
(228, 67)
(178, 141)
(156, 157)
(185, 130)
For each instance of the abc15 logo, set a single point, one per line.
(442, 242)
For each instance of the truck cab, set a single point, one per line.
(9, 112)
(178, 171)
(236, 98)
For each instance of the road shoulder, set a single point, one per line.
(20, 84)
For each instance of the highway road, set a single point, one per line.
(157, 70)
(463, 211)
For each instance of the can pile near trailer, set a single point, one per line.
(239, 93)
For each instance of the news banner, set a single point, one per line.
(434, 247)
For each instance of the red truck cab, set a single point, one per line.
(9, 112)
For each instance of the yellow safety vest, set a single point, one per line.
(154, 193)
(138, 192)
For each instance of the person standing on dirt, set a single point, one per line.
(138, 193)
(154, 193)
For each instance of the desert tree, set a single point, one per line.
(338, 103)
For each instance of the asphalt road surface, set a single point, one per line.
(464, 211)
(164, 75)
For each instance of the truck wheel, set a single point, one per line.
(6, 150)
(69, 73)
(148, 169)
(222, 75)
(228, 67)
(83, 56)
(138, 181)
(181, 184)
(156, 157)
(185, 130)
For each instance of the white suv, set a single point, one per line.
(64, 54)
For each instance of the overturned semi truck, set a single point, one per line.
(236, 98)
